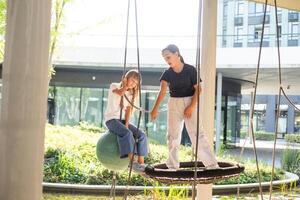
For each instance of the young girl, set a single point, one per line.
(182, 107)
(121, 127)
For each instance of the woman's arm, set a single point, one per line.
(159, 98)
(189, 109)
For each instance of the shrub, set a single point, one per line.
(264, 136)
(84, 126)
(70, 157)
(292, 138)
(260, 135)
(291, 161)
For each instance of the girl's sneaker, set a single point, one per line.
(138, 168)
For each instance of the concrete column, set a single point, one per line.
(24, 99)
(219, 112)
(208, 75)
(290, 119)
(270, 113)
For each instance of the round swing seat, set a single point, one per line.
(185, 174)
(108, 153)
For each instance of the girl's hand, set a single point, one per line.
(124, 83)
(188, 112)
(153, 114)
(119, 92)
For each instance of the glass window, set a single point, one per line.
(157, 129)
(259, 120)
(254, 8)
(67, 105)
(251, 7)
(259, 8)
(267, 32)
(238, 34)
(51, 105)
(293, 30)
(224, 38)
(297, 121)
(244, 123)
(280, 30)
(225, 9)
(258, 32)
(91, 105)
(239, 7)
(233, 119)
(282, 122)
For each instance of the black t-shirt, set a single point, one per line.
(181, 84)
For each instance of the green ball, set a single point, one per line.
(108, 153)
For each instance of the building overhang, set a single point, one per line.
(288, 4)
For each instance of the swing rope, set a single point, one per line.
(280, 92)
(114, 181)
(278, 101)
(198, 63)
(141, 108)
(194, 172)
(254, 98)
(140, 100)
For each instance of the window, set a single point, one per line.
(297, 121)
(282, 122)
(224, 37)
(293, 16)
(279, 30)
(254, 8)
(238, 21)
(251, 7)
(239, 7)
(259, 120)
(238, 35)
(91, 105)
(67, 108)
(225, 9)
(259, 8)
(293, 30)
(258, 32)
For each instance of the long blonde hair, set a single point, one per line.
(135, 91)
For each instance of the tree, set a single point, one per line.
(57, 19)
(57, 23)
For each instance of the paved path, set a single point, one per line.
(264, 150)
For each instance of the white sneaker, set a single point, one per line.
(138, 168)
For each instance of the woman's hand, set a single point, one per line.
(154, 114)
(188, 111)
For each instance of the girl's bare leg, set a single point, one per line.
(141, 159)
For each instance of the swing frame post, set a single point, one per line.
(207, 68)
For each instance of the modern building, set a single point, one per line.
(239, 31)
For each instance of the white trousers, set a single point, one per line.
(176, 107)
